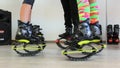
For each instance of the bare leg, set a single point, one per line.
(25, 13)
(26, 9)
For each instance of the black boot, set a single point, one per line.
(116, 34)
(75, 29)
(109, 34)
(36, 33)
(83, 32)
(96, 31)
(36, 30)
(24, 31)
(68, 32)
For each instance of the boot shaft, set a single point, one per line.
(109, 29)
(24, 30)
(84, 29)
(116, 29)
(68, 32)
(36, 30)
(96, 30)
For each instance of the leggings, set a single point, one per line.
(70, 12)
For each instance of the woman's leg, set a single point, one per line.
(67, 14)
(74, 14)
(84, 15)
(67, 18)
(94, 14)
(84, 10)
(26, 9)
(94, 19)
(24, 28)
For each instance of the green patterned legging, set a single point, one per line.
(86, 10)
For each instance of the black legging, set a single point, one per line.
(70, 12)
(30, 2)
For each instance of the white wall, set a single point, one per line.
(13, 6)
(48, 14)
(102, 11)
(113, 9)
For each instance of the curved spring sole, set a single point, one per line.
(24, 51)
(82, 57)
(98, 46)
(63, 43)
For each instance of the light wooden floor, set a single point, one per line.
(51, 58)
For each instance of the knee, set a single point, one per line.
(30, 2)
